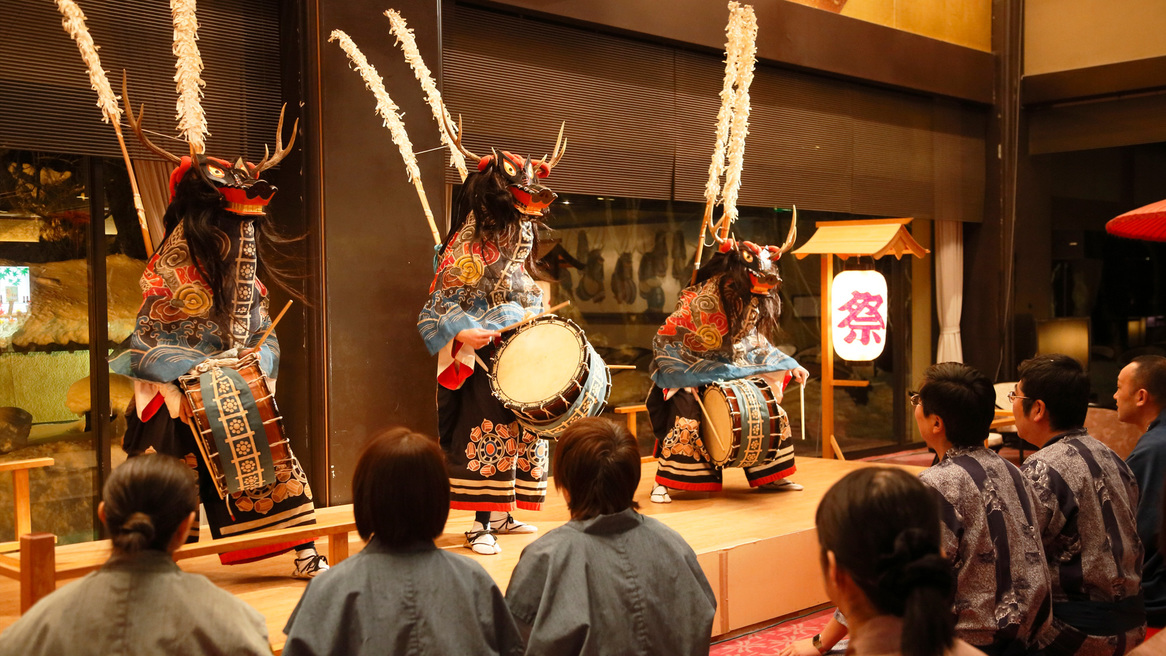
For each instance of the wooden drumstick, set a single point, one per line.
(271, 327)
(621, 366)
(532, 318)
(707, 418)
(484, 366)
(802, 390)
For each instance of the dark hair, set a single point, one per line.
(201, 205)
(1061, 383)
(400, 491)
(735, 291)
(597, 462)
(963, 397)
(485, 194)
(146, 499)
(883, 526)
(1150, 375)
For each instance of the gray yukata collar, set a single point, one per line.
(619, 522)
(147, 559)
(377, 546)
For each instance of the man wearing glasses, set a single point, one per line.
(1086, 499)
(989, 520)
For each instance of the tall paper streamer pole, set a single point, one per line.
(746, 61)
(734, 33)
(188, 75)
(74, 23)
(388, 111)
(421, 71)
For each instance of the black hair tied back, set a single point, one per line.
(136, 534)
(914, 580)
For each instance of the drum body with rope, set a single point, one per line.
(745, 425)
(238, 428)
(548, 374)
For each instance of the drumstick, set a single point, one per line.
(707, 417)
(621, 366)
(479, 361)
(532, 318)
(271, 327)
(802, 391)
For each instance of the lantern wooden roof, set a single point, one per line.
(873, 237)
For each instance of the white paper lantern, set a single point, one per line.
(859, 314)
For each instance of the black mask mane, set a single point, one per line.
(735, 292)
(201, 205)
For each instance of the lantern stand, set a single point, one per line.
(872, 237)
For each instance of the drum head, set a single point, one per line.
(718, 442)
(540, 361)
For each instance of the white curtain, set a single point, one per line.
(154, 186)
(949, 288)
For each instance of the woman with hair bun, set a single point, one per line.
(139, 602)
(879, 530)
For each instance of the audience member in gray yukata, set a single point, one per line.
(139, 602)
(1086, 498)
(989, 521)
(401, 594)
(610, 581)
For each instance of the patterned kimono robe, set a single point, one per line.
(1086, 500)
(174, 333)
(692, 349)
(494, 464)
(990, 535)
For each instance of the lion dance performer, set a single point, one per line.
(484, 282)
(203, 300)
(718, 332)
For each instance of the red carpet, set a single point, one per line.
(772, 639)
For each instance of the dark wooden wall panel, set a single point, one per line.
(515, 81)
(376, 247)
(793, 35)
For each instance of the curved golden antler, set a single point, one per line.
(268, 160)
(558, 153)
(457, 140)
(791, 237)
(136, 124)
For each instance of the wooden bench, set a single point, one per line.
(21, 499)
(41, 564)
(632, 411)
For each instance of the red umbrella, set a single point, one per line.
(1147, 223)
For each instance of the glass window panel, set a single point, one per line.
(622, 262)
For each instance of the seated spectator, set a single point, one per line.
(401, 594)
(139, 602)
(1141, 399)
(1155, 644)
(879, 531)
(989, 523)
(610, 580)
(1086, 498)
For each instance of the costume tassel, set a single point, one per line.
(746, 60)
(188, 75)
(392, 120)
(421, 71)
(732, 124)
(74, 23)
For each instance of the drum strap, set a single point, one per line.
(755, 422)
(237, 429)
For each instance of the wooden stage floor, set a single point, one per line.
(758, 548)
